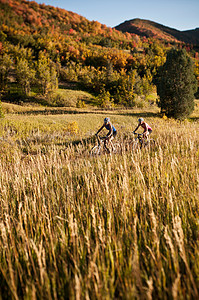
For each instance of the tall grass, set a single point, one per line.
(124, 226)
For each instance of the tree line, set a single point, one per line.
(41, 46)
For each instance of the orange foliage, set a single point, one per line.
(71, 31)
(1, 47)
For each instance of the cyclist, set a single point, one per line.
(145, 126)
(111, 132)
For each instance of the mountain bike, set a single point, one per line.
(101, 149)
(139, 142)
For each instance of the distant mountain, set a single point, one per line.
(152, 29)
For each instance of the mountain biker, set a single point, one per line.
(111, 132)
(145, 126)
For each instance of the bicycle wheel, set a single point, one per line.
(96, 150)
(136, 145)
(116, 148)
(150, 143)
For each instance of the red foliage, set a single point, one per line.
(134, 44)
(145, 40)
(1, 47)
(71, 31)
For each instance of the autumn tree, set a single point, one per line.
(1, 111)
(46, 74)
(5, 67)
(104, 99)
(176, 85)
(125, 88)
(24, 75)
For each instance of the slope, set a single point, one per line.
(152, 29)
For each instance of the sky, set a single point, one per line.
(178, 14)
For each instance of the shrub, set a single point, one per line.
(72, 128)
(80, 104)
(105, 100)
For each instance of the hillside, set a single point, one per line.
(46, 51)
(161, 32)
(22, 18)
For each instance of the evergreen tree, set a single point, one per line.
(176, 85)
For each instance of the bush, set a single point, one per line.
(105, 100)
(80, 104)
(72, 128)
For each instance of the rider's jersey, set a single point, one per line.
(108, 127)
(146, 127)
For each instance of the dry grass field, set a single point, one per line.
(122, 226)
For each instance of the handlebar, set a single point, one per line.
(100, 138)
(139, 135)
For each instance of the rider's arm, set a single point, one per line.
(100, 129)
(136, 128)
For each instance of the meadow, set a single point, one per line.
(122, 226)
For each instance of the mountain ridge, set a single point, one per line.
(151, 29)
(23, 13)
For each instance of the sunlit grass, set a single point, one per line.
(123, 226)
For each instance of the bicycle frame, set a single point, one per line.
(144, 142)
(97, 149)
(100, 147)
(139, 137)
(100, 140)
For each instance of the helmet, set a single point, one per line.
(106, 120)
(140, 120)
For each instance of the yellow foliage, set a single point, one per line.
(72, 127)
(164, 117)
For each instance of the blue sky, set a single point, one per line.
(178, 14)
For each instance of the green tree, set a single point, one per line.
(5, 67)
(176, 85)
(104, 99)
(46, 74)
(125, 88)
(25, 75)
(1, 111)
